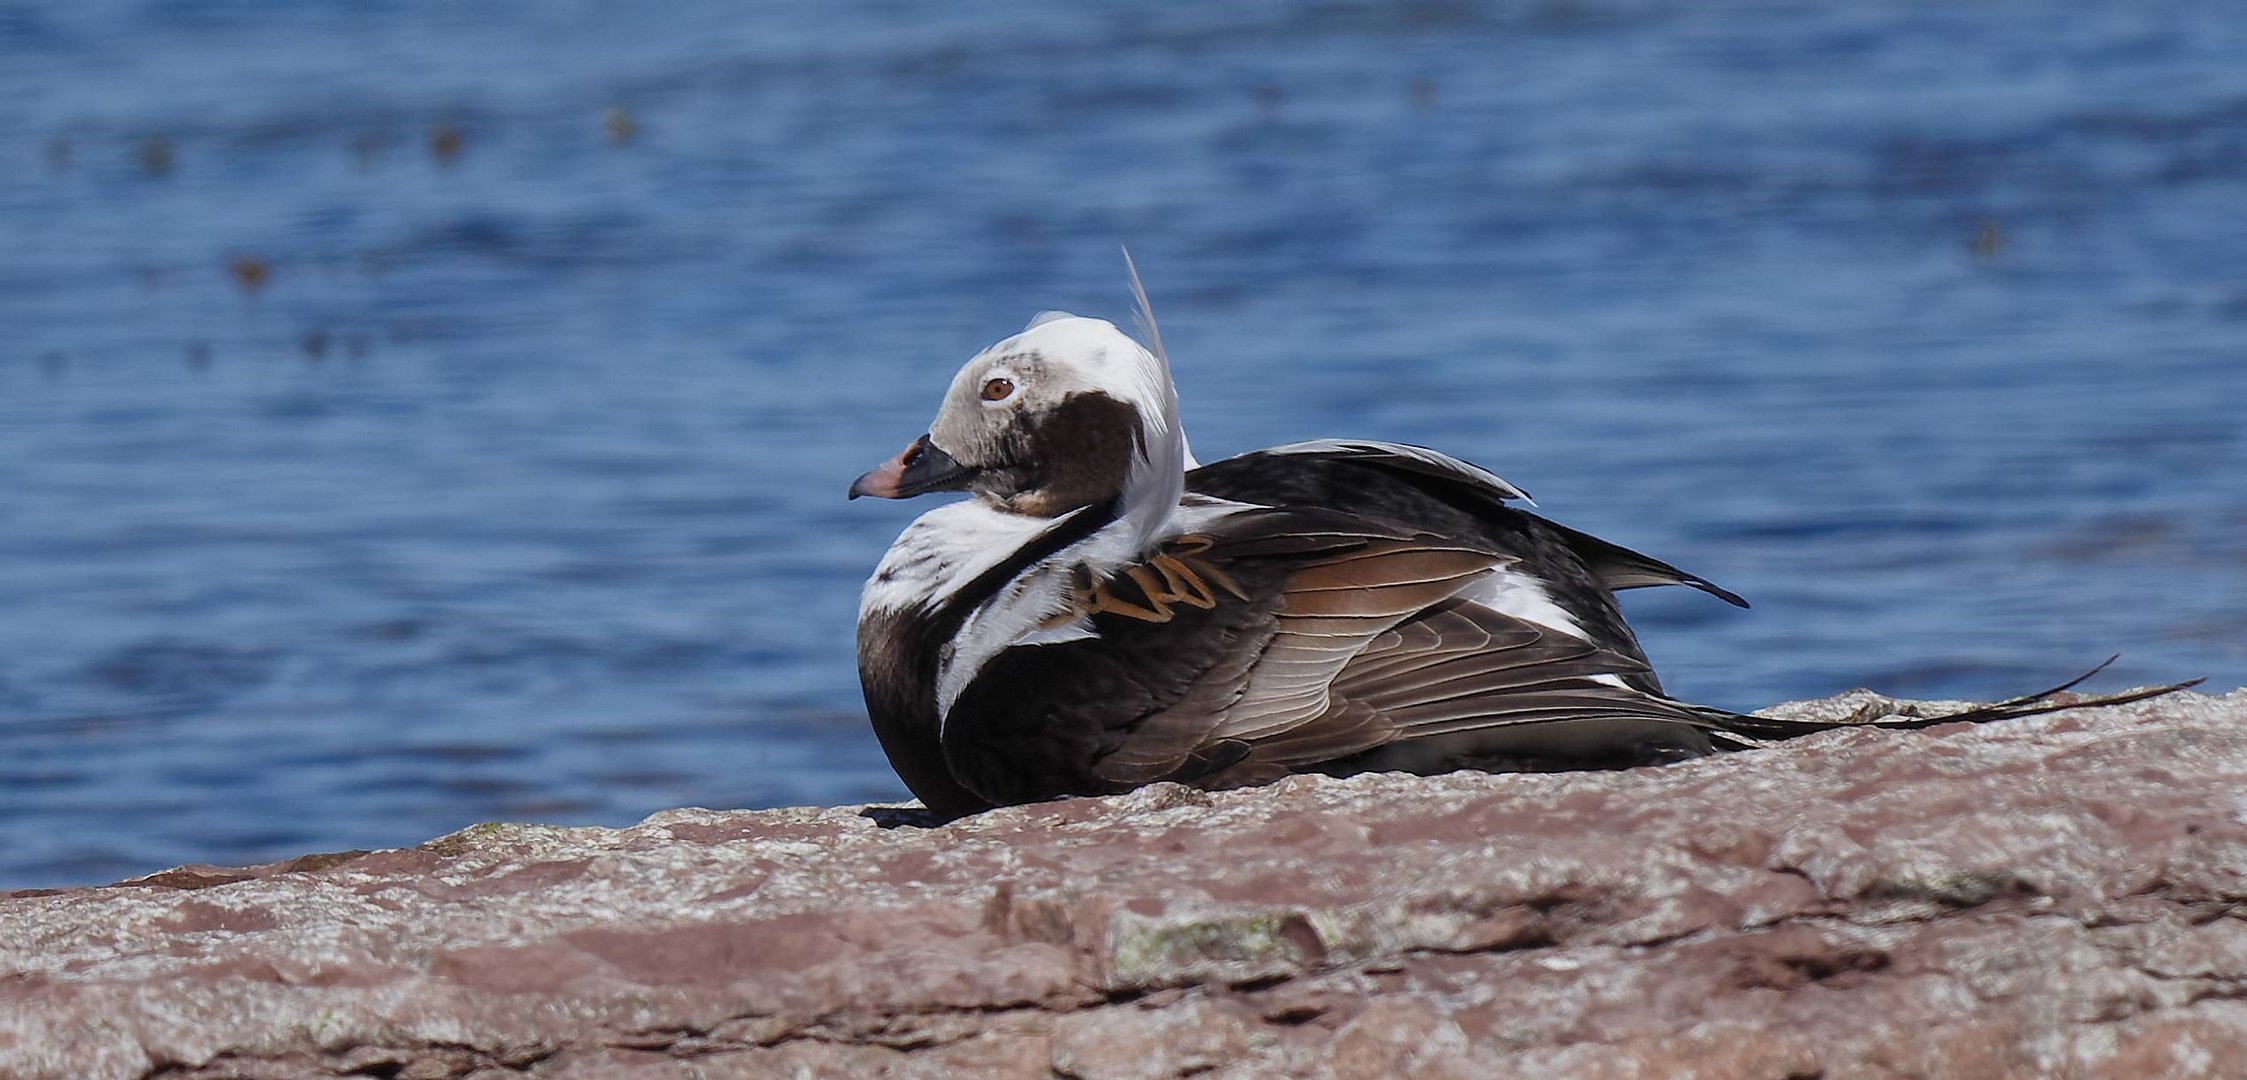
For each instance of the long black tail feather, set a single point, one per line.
(1896, 715)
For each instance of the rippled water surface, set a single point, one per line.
(424, 413)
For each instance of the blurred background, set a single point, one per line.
(420, 413)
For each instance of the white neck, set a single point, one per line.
(943, 550)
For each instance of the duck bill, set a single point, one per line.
(918, 470)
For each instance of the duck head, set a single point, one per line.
(1071, 412)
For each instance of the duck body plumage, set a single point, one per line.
(1321, 608)
(1104, 613)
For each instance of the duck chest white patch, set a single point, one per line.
(943, 550)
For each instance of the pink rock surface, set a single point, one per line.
(2064, 896)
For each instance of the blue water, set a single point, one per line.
(423, 413)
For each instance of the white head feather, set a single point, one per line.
(1158, 476)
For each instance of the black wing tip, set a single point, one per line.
(1719, 591)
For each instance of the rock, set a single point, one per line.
(2063, 896)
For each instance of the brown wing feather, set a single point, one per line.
(1329, 611)
(1451, 681)
(1343, 584)
(1369, 647)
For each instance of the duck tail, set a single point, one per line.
(1893, 715)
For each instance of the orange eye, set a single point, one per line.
(997, 389)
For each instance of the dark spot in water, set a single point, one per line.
(157, 156)
(1988, 242)
(1423, 91)
(619, 124)
(446, 141)
(250, 272)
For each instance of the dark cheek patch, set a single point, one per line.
(1080, 451)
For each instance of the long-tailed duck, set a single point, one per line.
(1105, 613)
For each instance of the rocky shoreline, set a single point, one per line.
(2063, 896)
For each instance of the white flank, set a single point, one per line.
(1511, 592)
